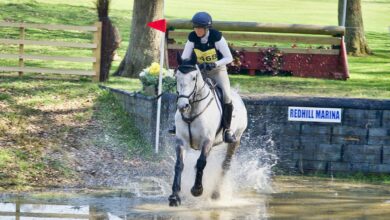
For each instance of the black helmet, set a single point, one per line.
(202, 19)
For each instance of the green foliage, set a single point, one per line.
(5, 157)
(150, 76)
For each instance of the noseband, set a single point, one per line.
(194, 91)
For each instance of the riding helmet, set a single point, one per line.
(202, 19)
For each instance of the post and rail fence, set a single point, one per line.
(312, 51)
(22, 56)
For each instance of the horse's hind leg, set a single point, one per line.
(197, 189)
(231, 149)
(174, 199)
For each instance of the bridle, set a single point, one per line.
(192, 96)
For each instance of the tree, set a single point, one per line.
(356, 42)
(110, 39)
(144, 41)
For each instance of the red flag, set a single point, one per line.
(160, 25)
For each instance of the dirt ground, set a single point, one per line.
(50, 139)
(100, 160)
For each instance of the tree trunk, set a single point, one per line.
(144, 41)
(110, 42)
(110, 39)
(356, 42)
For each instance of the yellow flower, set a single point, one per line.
(154, 69)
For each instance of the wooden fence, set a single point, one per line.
(23, 40)
(36, 211)
(325, 59)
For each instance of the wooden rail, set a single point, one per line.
(44, 211)
(250, 32)
(264, 27)
(307, 50)
(95, 46)
(283, 50)
(268, 37)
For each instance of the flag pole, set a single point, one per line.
(159, 92)
(162, 43)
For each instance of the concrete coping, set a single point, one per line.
(325, 102)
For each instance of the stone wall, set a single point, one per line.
(360, 143)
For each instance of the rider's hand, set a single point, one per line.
(207, 66)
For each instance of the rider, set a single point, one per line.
(213, 53)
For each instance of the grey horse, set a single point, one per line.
(198, 125)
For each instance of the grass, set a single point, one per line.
(369, 76)
(39, 116)
(119, 123)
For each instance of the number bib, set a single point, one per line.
(208, 56)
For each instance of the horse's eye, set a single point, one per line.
(193, 78)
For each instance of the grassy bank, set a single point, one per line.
(42, 118)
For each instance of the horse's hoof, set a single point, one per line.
(197, 191)
(215, 195)
(174, 200)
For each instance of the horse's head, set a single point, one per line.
(188, 78)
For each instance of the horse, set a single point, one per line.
(198, 125)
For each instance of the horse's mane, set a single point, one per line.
(186, 66)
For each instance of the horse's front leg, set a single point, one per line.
(197, 189)
(231, 149)
(174, 199)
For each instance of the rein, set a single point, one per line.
(189, 120)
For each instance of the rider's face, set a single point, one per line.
(200, 31)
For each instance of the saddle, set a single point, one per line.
(215, 88)
(219, 96)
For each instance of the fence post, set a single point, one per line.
(97, 39)
(17, 211)
(22, 35)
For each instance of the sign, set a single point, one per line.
(332, 115)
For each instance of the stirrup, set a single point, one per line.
(228, 137)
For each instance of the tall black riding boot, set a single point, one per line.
(228, 135)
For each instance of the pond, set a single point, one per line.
(249, 191)
(293, 197)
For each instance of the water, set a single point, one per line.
(293, 198)
(248, 192)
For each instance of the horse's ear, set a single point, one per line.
(178, 58)
(194, 59)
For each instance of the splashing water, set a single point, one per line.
(149, 187)
(250, 172)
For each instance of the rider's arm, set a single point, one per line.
(223, 47)
(187, 52)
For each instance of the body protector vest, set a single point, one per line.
(206, 53)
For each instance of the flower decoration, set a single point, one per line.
(149, 79)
